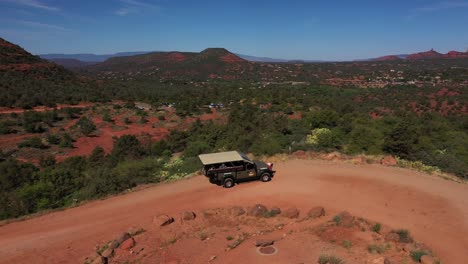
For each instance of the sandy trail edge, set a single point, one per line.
(433, 209)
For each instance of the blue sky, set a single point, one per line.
(293, 29)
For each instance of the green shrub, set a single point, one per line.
(404, 235)
(32, 142)
(86, 126)
(377, 249)
(376, 228)
(417, 254)
(53, 139)
(329, 259)
(66, 141)
(337, 219)
(347, 244)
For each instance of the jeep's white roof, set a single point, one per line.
(220, 157)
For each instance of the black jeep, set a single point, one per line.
(228, 168)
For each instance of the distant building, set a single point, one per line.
(143, 106)
(216, 105)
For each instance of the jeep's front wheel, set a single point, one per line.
(228, 183)
(265, 177)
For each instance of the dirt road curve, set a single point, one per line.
(433, 209)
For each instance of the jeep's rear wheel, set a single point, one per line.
(228, 183)
(265, 177)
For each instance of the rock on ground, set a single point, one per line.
(128, 244)
(275, 210)
(258, 210)
(292, 212)
(237, 211)
(316, 212)
(163, 220)
(108, 253)
(99, 260)
(124, 236)
(264, 243)
(392, 237)
(188, 215)
(347, 220)
(113, 244)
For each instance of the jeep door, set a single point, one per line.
(250, 171)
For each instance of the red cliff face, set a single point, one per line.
(456, 54)
(388, 58)
(432, 54)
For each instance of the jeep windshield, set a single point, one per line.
(245, 157)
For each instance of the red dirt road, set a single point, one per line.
(433, 209)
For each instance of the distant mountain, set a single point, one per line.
(72, 63)
(426, 55)
(388, 58)
(260, 59)
(210, 63)
(88, 57)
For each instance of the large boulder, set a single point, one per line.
(292, 212)
(188, 215)
(128, 244)
(345, 219)
(275, 211)
(113, 244)
(388, 161)
(122, 237)
(264, 243)
(133, 231)
(99, 260)
(316, 212)
(258, 210)
(163, 220)
(237, 211)
(109, 252)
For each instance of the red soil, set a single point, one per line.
(433, 209)
(6, 110)
(446, 92)
(295, 116)
(85, 145)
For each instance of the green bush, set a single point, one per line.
(86, 126)
(376, 228)
(32, 142)
(404, 235)
(417, 254)
(330, 259)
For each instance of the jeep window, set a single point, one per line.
(249, 166)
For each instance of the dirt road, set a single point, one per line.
(433, 209)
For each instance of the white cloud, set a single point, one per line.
(441, 6)
(436, 7)
(33, 4)
(134, 6)
(139, 4)
(40, 25)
